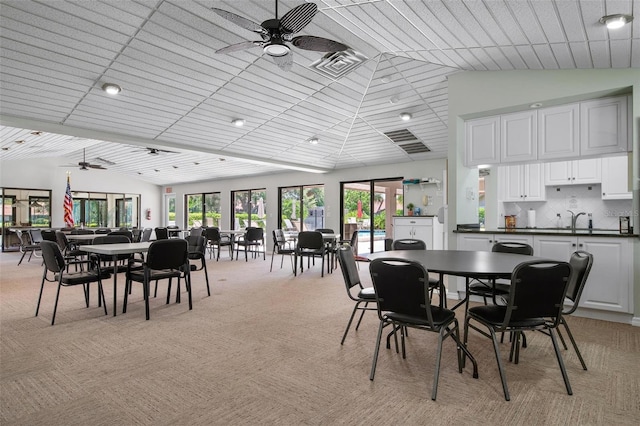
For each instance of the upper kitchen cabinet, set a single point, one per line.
(576, 172)
(604, 126)
(615, 178)
(518, 137)
(482, 138)
(559, 132)
(522, 182)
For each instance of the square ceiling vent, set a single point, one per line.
(336, 64)
(407, 141)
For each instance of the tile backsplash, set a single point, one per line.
(578, 198)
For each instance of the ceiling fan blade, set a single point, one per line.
(284, 62)
(298, 17)
(240, 21)
(239, 46)
(96, 166)
(318, 44)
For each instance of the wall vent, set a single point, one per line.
(407, 141)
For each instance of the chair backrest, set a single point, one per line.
(347, 262)
(408, 244)
(310, 240)
(167, 254)
(401, 286)
(52, 256)
(49, 235)
(196, 231)
(212, 234)
(62, 240)
(161, 233)
(36, 236)
(146, 235)
(537, 290)
(581, 262)
(103, 231)
(126, 233)
(137, 234)
(197, 246)
(254, 234)
(81, 231)
(325, 230)
(512, 247)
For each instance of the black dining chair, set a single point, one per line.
(197, 249)
(364, 295)
(534, 302)
(252, 242)
(54, 263)
(166, 259)
(122, 262)
(71, 253)
(282, 247)
(125, 233)
(27, 245)
(581, 262)
(146, 235)
(162, 233)
(215, 241)
(408, 244)
(310, 245)
(402, 296)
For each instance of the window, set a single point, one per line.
(106, 210)
(301, 207)
(249, 208)
(203, 209)
(39, 211)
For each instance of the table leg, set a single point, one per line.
(115, 283)
(466, 295)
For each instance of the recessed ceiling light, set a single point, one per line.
(36, 133)
(385, 79)
(238, 122)
(111, 88)
(21, 141)
(222, 159)
(616, 21)
(5, 148)
(405, 116)
(313, 141)
(536, 105)
(196, 163)
(394, 100)
(175, 167)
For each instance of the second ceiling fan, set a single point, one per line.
(276, 33)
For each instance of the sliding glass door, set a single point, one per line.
(249, 208)
(367, 207)
(203, 209)
(301, 208)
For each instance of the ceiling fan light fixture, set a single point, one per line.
(111, 88)
(276, 49)
(238, 122)
(613, 22)
(405, 116)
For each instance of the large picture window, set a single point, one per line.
(106, 210)
(203, 209)
(249, 208)
(301, 208)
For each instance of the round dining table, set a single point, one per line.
(463, 263)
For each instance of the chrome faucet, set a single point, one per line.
(574, 219)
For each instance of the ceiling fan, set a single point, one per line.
(156, 151)
(86, 166)
(276, 33)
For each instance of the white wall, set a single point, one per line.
(46, 174)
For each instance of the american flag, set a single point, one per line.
(68, 205)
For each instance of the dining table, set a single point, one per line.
(115, 250)
(462, 263)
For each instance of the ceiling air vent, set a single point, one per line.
(336, 64)
(407, 141)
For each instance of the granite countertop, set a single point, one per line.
(549, 231)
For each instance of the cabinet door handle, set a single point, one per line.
(604, 193)
(573, 178)
(568, 178)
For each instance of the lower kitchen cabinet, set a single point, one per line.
(609, 286)
(427, 229)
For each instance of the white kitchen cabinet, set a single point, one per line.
(609, 286)
(559, 132)
(482, 141)
(521, 183)
(615, 178)
(604, 126)
(427, 229)
(518, 137)
(574, 172)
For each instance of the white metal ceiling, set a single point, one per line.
(180, 96)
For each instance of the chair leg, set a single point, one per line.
(55, 307)
(353, 313)
(503, 376)
(560, 362)
(44, 275)
(101, 295)
(187, 283)
(436, 373)
(273, 254)
(362, 314)
(375, 353)
(146, 290)
(22, 257)
(573, 342)
(206, 276)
